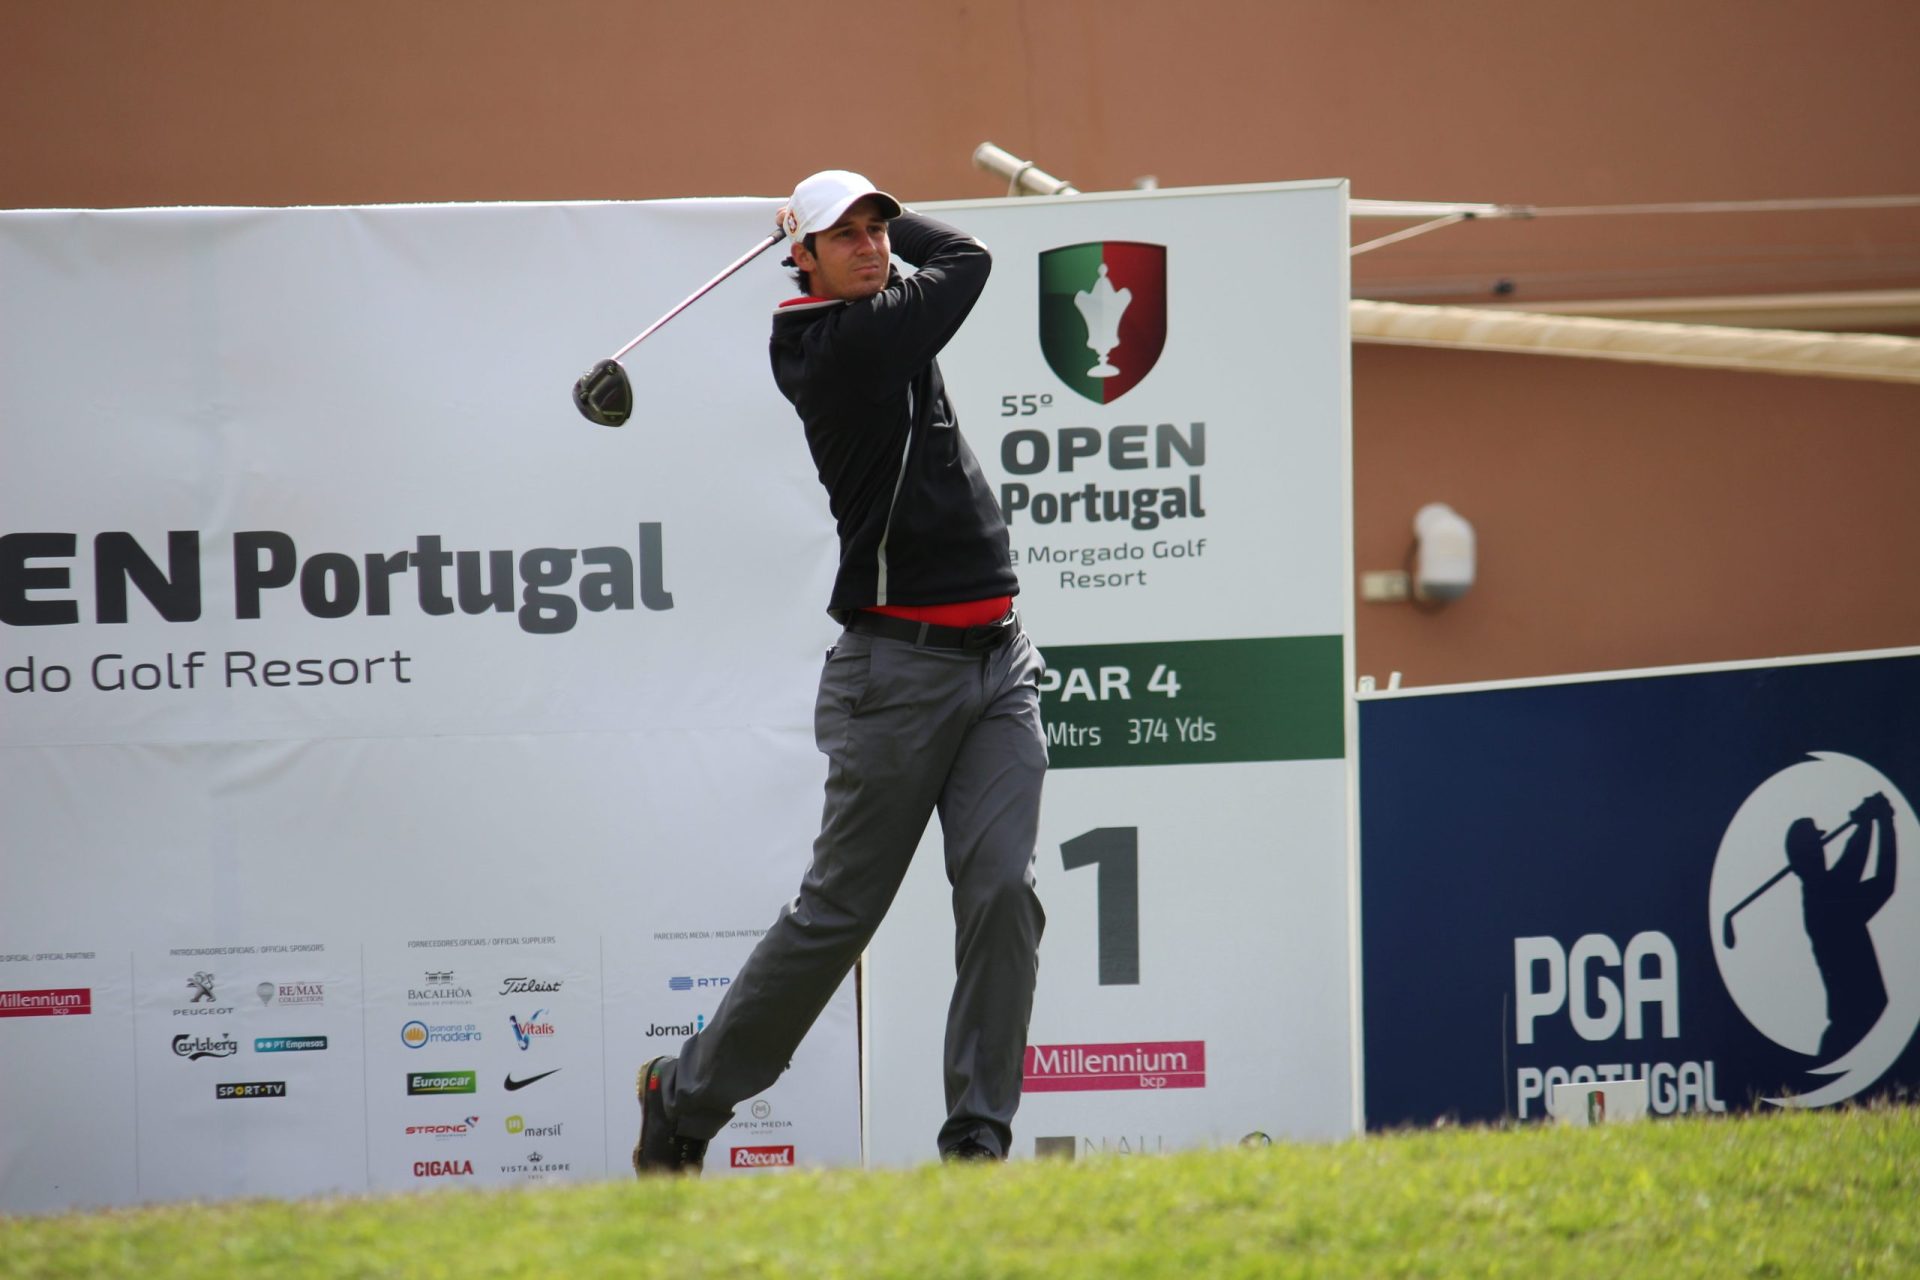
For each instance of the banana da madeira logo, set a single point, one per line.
(1103, 314)
(1816, 933)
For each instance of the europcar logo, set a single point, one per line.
(427, 1082)
(1816, 935)
(1103, 314)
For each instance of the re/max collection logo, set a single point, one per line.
(37, 572)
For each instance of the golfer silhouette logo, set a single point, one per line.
(1816, 934)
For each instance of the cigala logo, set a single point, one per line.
(1816, 933)
(1103, 314)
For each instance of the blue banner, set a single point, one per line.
(1709, 880)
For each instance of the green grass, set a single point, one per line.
(1833, 1193)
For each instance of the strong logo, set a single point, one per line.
(1816, 932)
(1103, 314)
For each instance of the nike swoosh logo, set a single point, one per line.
(513, 1084)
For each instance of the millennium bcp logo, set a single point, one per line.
(47, 1002)
(1160, 1064)
(1103, 314)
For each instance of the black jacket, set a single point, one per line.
(918, 524)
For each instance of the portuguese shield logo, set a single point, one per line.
(1103, 314)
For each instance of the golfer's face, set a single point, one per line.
(851, 255)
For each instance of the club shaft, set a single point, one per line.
(1781, 874)
(701, 292)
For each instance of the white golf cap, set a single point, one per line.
(818, 202)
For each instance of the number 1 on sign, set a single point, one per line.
(1115, 851)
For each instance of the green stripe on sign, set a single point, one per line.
(1193, 702)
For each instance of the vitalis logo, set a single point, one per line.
(1103, 314)
(525, 1033)
(1816, 935)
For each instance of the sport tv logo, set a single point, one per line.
(1157, 1064)
(251, 1089)
(762, 1158)
(46, 1002)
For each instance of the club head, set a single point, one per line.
(603, 395)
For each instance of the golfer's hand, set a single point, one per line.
(1875, 806)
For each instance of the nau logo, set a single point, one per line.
(1103, 314)
(1816, 932)
(763, 1157)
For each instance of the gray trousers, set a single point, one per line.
(905, 730)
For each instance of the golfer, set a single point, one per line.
(929, 700)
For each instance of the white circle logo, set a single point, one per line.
(1816, 933)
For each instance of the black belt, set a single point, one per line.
(933, 636)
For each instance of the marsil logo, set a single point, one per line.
(1816, 934)
(1103, 314)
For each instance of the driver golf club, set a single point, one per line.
(1726, 925)
(603, 394)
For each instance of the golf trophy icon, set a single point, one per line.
(1101, 307)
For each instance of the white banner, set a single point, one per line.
(381, 744)
(1156, 385)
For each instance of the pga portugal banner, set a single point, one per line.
(1699, 878)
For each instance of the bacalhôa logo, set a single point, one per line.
(440, 988)
(1816, 933)
(46, 1002)
(1155, 1064)
(1103, 314)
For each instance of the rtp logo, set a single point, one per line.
(1103, 314)
(1816, 934)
